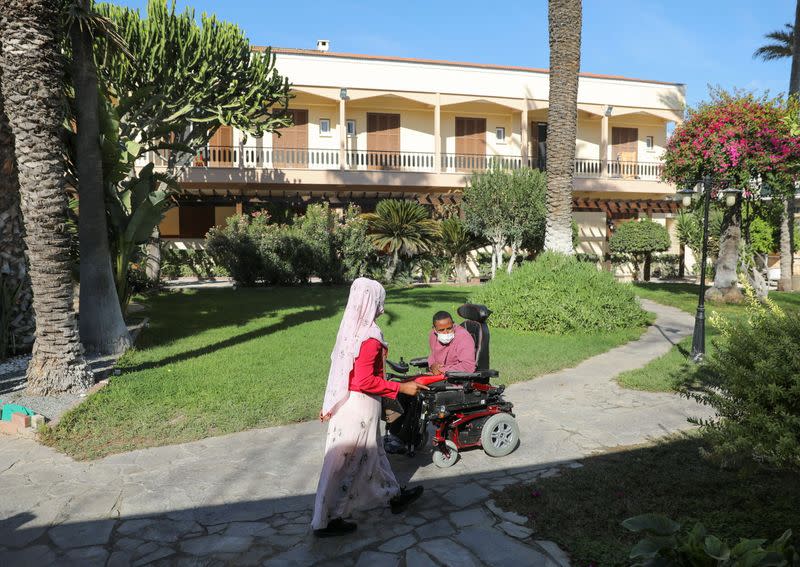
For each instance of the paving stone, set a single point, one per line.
(555, 552)
(255, 529)
(207, 545)
(81, 534)
(377, 559)
(505, 514)
(167, 531)
(160, 552)
(400, 529)
(417, 558)
(295, 529)
(574, 465)
(416, 521)
(515, 530)
(34, 556)
(495, 548)
(471, 517)
(254, 556)
(146, 548)
(298, 556)
(127, 544)
(467, 495)
(449, 553)
(129, 527)
(550, 473)
(398, 544)
(431, 514)
(120, 559)
(439, 528)
(86, 557)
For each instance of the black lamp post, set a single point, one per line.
(699, 335)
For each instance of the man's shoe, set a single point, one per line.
(402, 501)
(336, 527)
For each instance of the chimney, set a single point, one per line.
(323, 45)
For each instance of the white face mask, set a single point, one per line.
(446, 338)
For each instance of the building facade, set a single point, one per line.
(372, 127)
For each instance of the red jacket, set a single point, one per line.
(367, 375)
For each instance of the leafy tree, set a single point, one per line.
(457, 242)
(485, 211)
(400, 229)
(564, 18)
(734, 138)
(31, 37)
(640, 239)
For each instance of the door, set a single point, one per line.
(220, 148)
(538, 151)
(290, 149)
(624, 152)
(470, 144)
(383, 141)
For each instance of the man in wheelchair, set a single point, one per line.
(452, 349)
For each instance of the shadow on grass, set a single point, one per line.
(582, 509)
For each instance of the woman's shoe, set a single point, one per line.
(402, 501)
(336, 527)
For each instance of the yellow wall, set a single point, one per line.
(170, 225)
(222, 213)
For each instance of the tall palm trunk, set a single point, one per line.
(787, 218)
(102, 327)
(726, 279)
(31, 85)
(564, 18)
(13, 268)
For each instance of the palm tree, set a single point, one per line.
(16, 315)
(781, 47)
(102, 326)
(32, 90)
(564, 17)
(400, 228)
(457, 242)
(786, 46)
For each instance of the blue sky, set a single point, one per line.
(697, 42)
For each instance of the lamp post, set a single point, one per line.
(699, 334)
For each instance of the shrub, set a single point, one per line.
(666, 266)
(752, 380)
(640, 239)
(357, 256)
(198, 263)
(558, 294)
(664, 543)
(236, 248)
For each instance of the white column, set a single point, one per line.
(437, 135)
(604, 146)
(523, 133)
(342, 133)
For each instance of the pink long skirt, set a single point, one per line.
(355, 471)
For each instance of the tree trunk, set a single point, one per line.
(153, 261)
(392, 267)
(648, 258)
(787, 249)
(21, 324)
(513, 259)
(494, 261)
(564, 17)
(32, 89)
(460, 270)
(682, 262)
(102, 326)
(726, 279)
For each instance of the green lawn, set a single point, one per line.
(582, 509)
(220, 361)
(664, 374)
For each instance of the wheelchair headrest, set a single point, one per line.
(474, 312)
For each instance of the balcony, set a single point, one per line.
(254, 157)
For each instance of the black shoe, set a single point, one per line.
(402, 501)
(336, 527)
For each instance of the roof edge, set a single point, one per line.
(314, 52)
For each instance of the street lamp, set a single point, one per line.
(704, 185)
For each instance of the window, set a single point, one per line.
(650, 143)
(351, 128)
(500, 133)
(324, 127)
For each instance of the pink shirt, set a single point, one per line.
(458, 356)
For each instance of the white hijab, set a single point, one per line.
(358, 324)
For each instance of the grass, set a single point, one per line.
(665, 373)
(219, 361)
(582, 509)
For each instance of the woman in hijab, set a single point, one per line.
(355, 471)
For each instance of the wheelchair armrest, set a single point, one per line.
(481, 376)
(401, 367)
(421, 362)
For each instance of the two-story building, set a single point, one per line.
(369, 127)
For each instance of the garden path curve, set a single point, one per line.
(246, 498)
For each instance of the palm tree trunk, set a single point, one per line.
(460, 270)
(32, 89)
(787, 220)
(102, 327)
(726, 279)
(12, 245)
(564, 17)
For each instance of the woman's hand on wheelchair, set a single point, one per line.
(412, 388)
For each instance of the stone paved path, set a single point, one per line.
(246, 499)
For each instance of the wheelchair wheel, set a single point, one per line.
(443, 461)
(500, 435)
